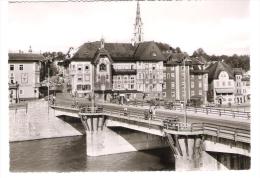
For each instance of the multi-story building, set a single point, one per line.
(198, 82)
(221, 83)
(182, 73)
(24, 76)
(238, 74)
(118, 68)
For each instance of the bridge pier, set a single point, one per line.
(190, 154)
(102, 140)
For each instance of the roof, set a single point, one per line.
(237, 71)
(120, 51)
(175, 58)
(215, 68)
(25, 57)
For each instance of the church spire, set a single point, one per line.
(138, 26)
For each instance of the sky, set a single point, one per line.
(217, 26)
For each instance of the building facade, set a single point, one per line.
(24, 76)
(221, 84)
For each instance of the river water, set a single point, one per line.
(69, 154)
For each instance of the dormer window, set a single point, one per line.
(154, 54)
(102, 67)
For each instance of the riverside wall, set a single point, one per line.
(37, 123)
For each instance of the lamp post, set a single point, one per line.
(184, 103)
(103, 87)
(185, 92)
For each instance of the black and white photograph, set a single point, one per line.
(128, 86)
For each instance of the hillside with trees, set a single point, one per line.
(235, 61)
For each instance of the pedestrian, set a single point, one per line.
(53, 100)
(125, 111)
(151, 113)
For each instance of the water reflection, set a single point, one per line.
(69, 154)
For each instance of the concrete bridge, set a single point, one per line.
(205, 142)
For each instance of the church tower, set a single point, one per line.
(138, 26)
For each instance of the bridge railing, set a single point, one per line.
(227, 132)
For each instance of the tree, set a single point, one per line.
(178, 50)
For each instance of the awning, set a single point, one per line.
(224, 90)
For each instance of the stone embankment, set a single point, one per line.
(37, 123)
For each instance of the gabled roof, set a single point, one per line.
(120, 51)
(215, 68)
(25, 57)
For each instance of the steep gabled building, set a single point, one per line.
(221, 83)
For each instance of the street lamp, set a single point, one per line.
(184, 87)
(103, 87)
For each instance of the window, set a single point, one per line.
(86, 67)
(20, 67)
(11, 67)
(118, 86)
(173, 94)
(172, 75)
(164, 85)
(132, 66)
(102, 67)
(172, 68)
(168, 75)
(132, 86)
(87, 78)
(139, 76)
(164, 94)
(164, 75)
(200, 77)
(153, 76)
(79, 79)
(223, 83)
(106, 76)
(200, 84)
(200, 92)
(79, 87)
(21, 92)
(173, 84)
(192, 84)
(79, 68)
(192, 93)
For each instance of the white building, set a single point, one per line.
(24, 76)
(221, 84)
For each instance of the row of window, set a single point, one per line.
(223, 83)
(83, 87)
(12, 67)
(80, 67)
(129, 86)
(80, 78)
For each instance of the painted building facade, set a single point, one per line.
(24, 76)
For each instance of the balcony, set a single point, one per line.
(124, 71)
(13, 86)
